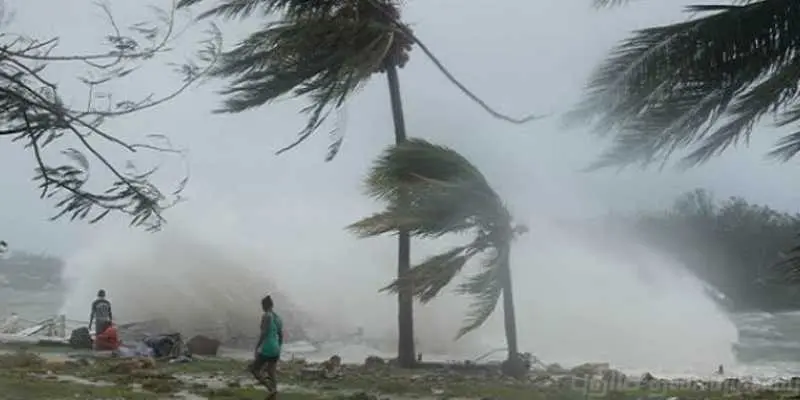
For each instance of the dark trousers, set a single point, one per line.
(263, 365)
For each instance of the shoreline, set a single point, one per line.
(355, 355)
(55, 372)
(204, 377)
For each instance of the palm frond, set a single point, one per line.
(246, 8)
(376, 224)
(430, 220)
(323, 49)
(431, 191)
(428, 278)
(696, 8)
(417, 161)
(602, 3)
(786, 148)
(486, 288)
(325, 59)
(667, 87)
(442, 192)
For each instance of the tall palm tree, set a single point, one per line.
(703, 83)
(327, 50)
(433, 191)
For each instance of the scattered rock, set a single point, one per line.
(203, 345)
(234, 384)
(589, 369)
(131, 365)
(374, 361)
(556, 369)
(332, 368)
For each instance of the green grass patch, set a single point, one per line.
(16, 386)
(26, 375)
(254, 393)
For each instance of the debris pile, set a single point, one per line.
(203, 346)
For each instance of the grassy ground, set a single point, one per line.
(25, 375)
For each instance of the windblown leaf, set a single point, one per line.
(444, 191)
(432, 191)
(246, 8)
(667, 88)
(428, 278)
(486, 288)
(325, 50)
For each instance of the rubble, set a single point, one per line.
(374, 361)
(330, 369)
(589, 369)
(203, 346)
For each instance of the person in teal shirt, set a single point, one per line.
(268, 349)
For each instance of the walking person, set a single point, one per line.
(268, 349)
(101, 313)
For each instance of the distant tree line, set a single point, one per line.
(732, 244)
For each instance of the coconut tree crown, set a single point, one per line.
(323, 49)
(446, 194)
(703, 83)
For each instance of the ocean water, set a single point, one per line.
(767, 347)
(31, 305)
(577, 301)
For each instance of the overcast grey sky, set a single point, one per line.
(522, 56)
(283, 215)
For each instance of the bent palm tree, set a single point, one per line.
(327, 49)
(703, 83)
(447, 194)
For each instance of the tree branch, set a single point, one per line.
(31, 109)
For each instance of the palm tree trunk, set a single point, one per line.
(508, 305)
(406, 356)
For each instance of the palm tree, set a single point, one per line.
(432, 191)
(327, 50)
(703, 83)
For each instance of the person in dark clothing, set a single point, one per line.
(268, 349)
(101, 313)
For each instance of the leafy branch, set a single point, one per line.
(33, 112)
